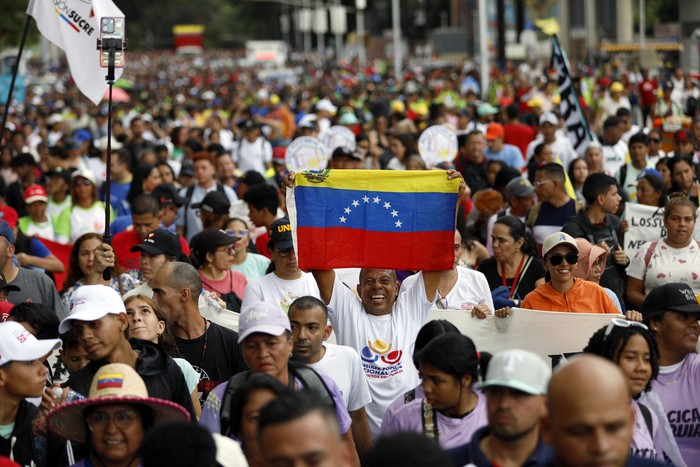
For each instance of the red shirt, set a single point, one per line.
(519, 135)
(261, 244)
(122, 243)
(647, 92)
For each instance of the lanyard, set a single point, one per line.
(514, 285)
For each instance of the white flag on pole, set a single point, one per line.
(73, 25)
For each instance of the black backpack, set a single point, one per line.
(311, 380)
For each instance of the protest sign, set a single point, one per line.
(548, 334)
(339, 136)
(437, 144)
(646, 224)
(306, 153)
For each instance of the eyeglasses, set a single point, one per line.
(97, 421)
(82, 182)
(229, 250)
(441, 303)
(623, 323)
(285, 253)
(654, 140)
(542, 182)
(237, 233)
(556, 259)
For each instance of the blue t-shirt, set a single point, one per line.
(509, 154)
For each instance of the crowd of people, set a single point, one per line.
(192, 337)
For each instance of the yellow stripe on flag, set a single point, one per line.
(396, 181)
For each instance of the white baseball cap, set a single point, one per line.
(558, 238)
(549, 117)
(90, 303)
(264, 317)
(518, 369)
(19, 345)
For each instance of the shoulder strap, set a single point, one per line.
(312, 381)
(220, 188)
(532, 215)
(646, 413)
(234, 383)
(430, 428)
(623, 175)
(647, 255)
(188, 195)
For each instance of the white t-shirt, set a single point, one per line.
(614, 157)
(270, 288)
(343, 366)
(194, 223)
(667, 264)
(562, 148)
(253, 156)
(385, 343)
(53, 209)
(470, 290)
(41, 229)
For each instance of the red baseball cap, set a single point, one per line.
(279, 154)
(9, 215)
(495, 130)
(35, 193)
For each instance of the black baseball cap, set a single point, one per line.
(670, 297)
(166, 193)
(5, 286)
(281, 234)
(209, 240)
(215, 202)
(160, 242)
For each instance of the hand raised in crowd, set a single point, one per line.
(49, 400)
(620, 256)
(464, 189)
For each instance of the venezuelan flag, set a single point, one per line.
(110, 380)
(373, 219)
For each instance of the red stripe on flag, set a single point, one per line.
(62, 252)
(340, 247)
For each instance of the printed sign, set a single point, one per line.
(306, 153)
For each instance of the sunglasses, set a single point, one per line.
(556, 259)
(441, 303)
(82, 182)
(237, 233)
(623, 323)
(654, 140)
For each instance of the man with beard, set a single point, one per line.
(515, 388)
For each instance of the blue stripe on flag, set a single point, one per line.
(375, 211)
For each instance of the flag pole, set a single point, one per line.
(14, 75)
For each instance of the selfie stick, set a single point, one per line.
(111, 46)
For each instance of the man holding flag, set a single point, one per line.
(380, 325)
(73, 26)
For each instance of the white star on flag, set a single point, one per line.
(356, 203)
(365, 199)
(394, 213)
(376, 200)
(398, 223)
(387, 205)
(342, 219)
(348, 210)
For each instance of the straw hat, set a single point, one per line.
(115, 383)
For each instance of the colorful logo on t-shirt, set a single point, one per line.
(377, 352)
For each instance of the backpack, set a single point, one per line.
(311, 380)
(188, 195)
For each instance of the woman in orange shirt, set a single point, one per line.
(564, 292)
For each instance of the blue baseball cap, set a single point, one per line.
(651, 172)
(6, 231)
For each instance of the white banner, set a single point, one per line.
(73, 26)
(548, 334)
(646, 224)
